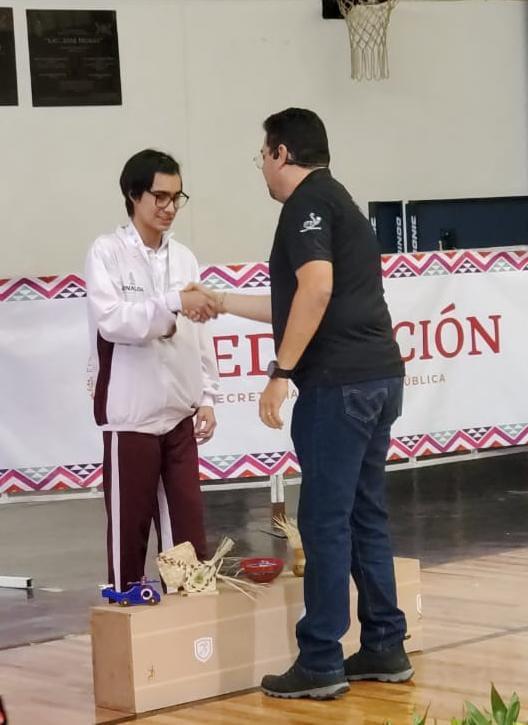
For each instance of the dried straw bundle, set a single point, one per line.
(290, 528)
(181, 570)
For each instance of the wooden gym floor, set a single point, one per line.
(467, 524)
(475, 631)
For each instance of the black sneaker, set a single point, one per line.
(298, 683)
(390, 665)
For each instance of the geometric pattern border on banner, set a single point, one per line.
(256, 276)
(434, 264)
(89, 475)
(458, 441)
(42, 288)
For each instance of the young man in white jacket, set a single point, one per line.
(156, 370)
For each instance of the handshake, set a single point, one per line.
(200, 304)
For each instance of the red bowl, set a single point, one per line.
(262, 568)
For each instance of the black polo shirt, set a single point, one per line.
(354, 341)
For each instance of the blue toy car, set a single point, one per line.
(139, 593)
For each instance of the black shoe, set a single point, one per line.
(390, 665)
(298, 683)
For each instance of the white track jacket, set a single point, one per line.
(145, 382)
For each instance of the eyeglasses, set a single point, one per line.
(162, 199)
(258, 160)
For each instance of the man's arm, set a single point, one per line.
(252, 307)
(314, 290)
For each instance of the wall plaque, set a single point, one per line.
(74, 57)
(8, 77)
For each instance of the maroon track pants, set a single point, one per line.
(150, 478)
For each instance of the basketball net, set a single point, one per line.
(367, 22)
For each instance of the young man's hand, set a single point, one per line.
(271, 400)
(205, 424)
(197, 305)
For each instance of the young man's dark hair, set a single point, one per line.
(139, 171)
(302, 132)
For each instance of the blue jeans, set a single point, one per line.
(341, 436)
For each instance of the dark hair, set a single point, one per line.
(302, 132)
(139, 171)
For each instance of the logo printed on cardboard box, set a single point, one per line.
(203, 649)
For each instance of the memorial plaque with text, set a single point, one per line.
(74, 57)
(8, 76)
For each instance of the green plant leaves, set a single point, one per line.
(498, 707)
(514, 708)
(417, 720)
(474, 716)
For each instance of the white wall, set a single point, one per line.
(199, 76)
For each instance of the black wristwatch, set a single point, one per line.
(274, 371)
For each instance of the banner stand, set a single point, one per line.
(277, 496)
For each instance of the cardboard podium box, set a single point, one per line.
(191, 648)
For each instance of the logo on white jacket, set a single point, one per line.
(132, 286)
(312, 224)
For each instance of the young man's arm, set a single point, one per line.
(119, 320)
(133, 323)
(205, 423)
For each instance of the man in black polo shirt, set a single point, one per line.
(333, 337)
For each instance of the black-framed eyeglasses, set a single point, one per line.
(162, 199)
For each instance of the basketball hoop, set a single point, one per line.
(367, 22)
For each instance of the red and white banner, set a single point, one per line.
(458, 316)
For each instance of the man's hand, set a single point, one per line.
(197, 305)
(251, 307)
(215, 299)
(271, 400)
(205, 424)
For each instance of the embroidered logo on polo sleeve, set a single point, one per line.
(312, 224)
